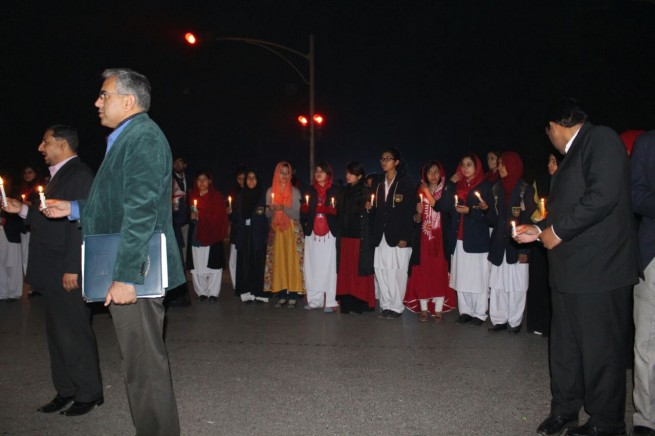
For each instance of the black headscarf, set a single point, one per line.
(250, 197)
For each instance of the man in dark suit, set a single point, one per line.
(643, 202)
(589, 233)
(131, 195)
(54, 271)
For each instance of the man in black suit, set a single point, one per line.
(54, 271)
(589, 232)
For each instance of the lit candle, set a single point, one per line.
(456, 200)
(2, 192)
(42, 197)
(272, 197)
(332, 202)
(23, 197)
(372, 199)
(307, 199)
(421, 195)
(195, 205)
(542, 207)
(477, 194)
(229, 201)
(513, 229)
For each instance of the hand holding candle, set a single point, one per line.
(42, 197)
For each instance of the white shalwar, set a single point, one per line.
(320, 270)
(391, 264)
(232, 265)
(11, 268)
(469, 276)
(509, 289)
(206, 281)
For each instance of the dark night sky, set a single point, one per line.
(433, 78)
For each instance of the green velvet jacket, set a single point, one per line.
(131, 195)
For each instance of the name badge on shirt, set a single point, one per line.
(398, 198)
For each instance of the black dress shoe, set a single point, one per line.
(554, 424)
(640, 430)
(384, 313)
(79, 408)
(475, 322)
(213, 299)
(202, 298)
(463, 319)
(514, 329)
(392, 314)
(498, 327)
(591, 430)
(57, 403)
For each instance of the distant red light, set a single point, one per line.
(303, 120)
(190, 38)
(318, 119)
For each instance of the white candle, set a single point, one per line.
(229, 201)
(2, 192)
(421, 195)
(456, 200)
(195, 205)
(542, 207)
(372, 199)
(477, 194)
(22, 196)
(307, 199)
(42, 197)
(332, 202)
(272, 198)
(513, 229)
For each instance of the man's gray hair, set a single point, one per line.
(130, 82)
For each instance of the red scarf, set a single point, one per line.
(321, 227)
(283, 196)
(514, 166)
(464, 186)
(431, 225)
(212, 216)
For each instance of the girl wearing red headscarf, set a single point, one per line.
(467, 200)
(283, 273)
(208, 230)
(427, 289)
(509, 262)
(319, 222)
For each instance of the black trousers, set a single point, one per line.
(72, 345)
(589, 352)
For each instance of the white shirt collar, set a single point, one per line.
(568, 144)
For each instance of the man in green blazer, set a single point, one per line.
(131, 195)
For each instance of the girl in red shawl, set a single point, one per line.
(209, 229)
(467, 199)
(319, 221)
(509, 261)
(283, 274)
(427, 288)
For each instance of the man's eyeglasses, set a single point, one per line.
(104, 94)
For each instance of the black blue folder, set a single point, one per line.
(98, 259)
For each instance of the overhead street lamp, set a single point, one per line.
(278, 50)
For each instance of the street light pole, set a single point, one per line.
(309, 80)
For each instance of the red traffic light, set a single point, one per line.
(303, 120)
(318, 119)
(190, 38)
